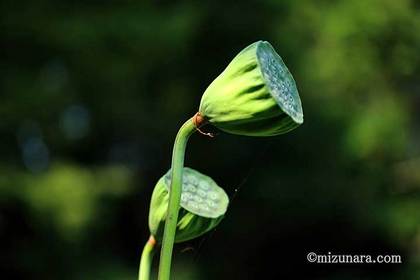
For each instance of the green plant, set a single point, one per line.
(202, 207)
(203, 204)
(255, 96)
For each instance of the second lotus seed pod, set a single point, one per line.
(203, 204)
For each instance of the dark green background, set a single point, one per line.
(92, 94)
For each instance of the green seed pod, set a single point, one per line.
(255, 95)
(203, 204)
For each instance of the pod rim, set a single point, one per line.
(279, 81)
(191, 204)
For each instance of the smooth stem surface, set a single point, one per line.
(178, 155)
(146, 259)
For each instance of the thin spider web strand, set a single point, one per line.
(257, 158)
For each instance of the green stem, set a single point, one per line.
(146, 259)
(178, 154)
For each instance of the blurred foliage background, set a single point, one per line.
(92, 94)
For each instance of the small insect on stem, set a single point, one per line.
(199, 121)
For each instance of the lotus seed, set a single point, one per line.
(204, 185)
(201, 193)
(190, 188)
(192, 204)
(184, 197)
(204, 207)
(198, 199)
(213, 195)
(191, 179)
(211, 203)
(187, 195)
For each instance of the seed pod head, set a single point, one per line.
(203, 204)
(255, 95)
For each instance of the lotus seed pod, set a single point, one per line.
(255, 95)
(203, 204)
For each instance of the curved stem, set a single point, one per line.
(178, 155)
(146, 259)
